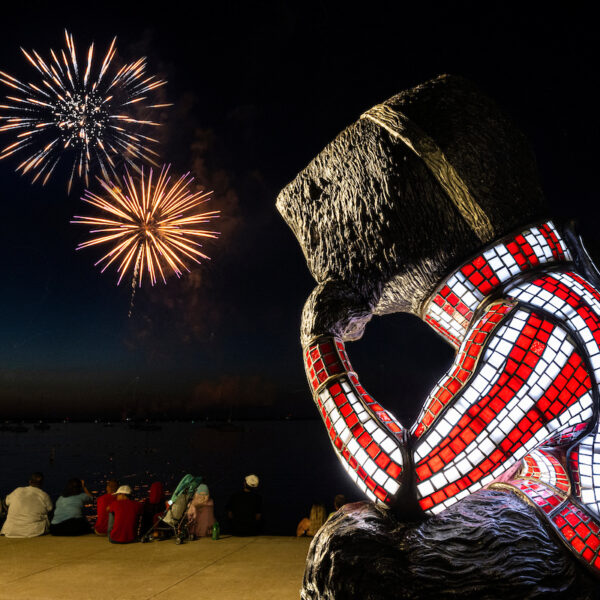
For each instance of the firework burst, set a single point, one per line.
(153, 227)
(86, 110)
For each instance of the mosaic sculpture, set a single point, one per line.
(430, 204)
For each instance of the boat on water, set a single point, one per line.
(144, 426)
(226, 426)
(14, 428)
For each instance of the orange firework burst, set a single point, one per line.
(152, 226)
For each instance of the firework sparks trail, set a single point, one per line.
(152, 226)
(74, 109)
(134, 281)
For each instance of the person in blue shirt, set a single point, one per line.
(68, 515)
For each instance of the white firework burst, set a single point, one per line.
(90, 116)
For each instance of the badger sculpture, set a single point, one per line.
(430, 204)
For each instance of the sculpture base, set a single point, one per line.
(489, 545)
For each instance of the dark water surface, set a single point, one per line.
(293, 459)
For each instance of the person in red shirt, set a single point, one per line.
(126, 514)
(153, 506)
(102, 504)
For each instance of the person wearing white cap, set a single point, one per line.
(251, 481)
(244, 508)
(125, 514)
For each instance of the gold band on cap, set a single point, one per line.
(400, 126)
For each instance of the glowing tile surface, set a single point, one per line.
(522, 390)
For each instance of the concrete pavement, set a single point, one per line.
(89, 568)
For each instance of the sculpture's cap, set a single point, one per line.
(415, 186)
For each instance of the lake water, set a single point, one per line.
(293, 459)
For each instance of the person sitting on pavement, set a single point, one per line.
(244, 509)
(3, 511)
(310, 525)
(154, 506)
(201, 513)
(28, 509)
(124, 516)
(338, 502)
(68, 517)
(102, 504)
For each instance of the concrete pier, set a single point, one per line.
(90, 568)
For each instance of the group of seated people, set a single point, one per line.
(31, 512)
(120, 517)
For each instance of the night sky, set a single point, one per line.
(258, 90)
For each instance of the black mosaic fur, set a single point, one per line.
(489, 545)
